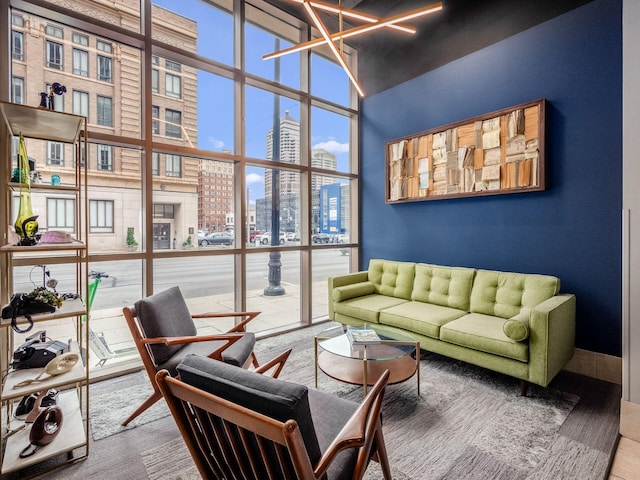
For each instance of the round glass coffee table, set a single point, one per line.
(364, 364)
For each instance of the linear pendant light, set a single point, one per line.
(323, 31)
(373, 23)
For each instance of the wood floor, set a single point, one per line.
(626, 463)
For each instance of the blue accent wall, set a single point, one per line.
(572, 229)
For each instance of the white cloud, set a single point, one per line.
(254, 178)
(333, 146)
(215, 143)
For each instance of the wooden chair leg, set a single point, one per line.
(146, 404)
(524, 388)
(381, 454)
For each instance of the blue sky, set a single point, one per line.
(215, 94)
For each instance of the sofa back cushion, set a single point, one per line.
(394, 279)
(504, 294)
(444, 286)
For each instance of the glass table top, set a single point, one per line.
(392, 345)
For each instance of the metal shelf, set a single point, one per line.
(41, 123)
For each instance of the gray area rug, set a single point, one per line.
(468, 423)
(107, 410)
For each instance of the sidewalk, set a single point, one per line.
(279, 313)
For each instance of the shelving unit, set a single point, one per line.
(72, 441)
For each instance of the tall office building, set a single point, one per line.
(289, 153)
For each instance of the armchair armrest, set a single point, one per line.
(240, 327)
(277, 362)
(230, 339)
(361, 430)
(190, 339)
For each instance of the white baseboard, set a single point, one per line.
(596, 365)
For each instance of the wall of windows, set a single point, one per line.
(185, 143)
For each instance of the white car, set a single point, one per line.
(265, 238)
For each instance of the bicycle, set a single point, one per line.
(97, 341)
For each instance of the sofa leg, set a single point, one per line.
(524, 388)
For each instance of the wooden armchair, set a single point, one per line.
(164, 333)
(239, 424)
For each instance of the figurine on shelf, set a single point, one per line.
(26, 223)
(47, 99)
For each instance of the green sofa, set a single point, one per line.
(513, 323)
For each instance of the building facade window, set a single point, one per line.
(155, 123)
(173, 165)
(54, 55)
(155, 81)
(54, 31)
(101, 216)
(81, 103)
(55, 153)
(17, 19)
(173, 86)
(163, 210)
(80, 39)
(173, 66)
(173, 119)
(80, 62)
(104, 68)
(17, 89)
(105, 158)
(155, 163)
(104, 46)
(17, 45)
(105, 112)
(61, 214)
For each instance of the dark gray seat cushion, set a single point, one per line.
(165, 314)
(330, 414)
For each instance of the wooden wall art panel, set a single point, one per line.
(496, 153)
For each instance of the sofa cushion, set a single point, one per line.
(354, 290)
(367, 308)
(445, 286)
(484, 333)
(504, 294)
(394, 279)
(266, 395)
(423, 318)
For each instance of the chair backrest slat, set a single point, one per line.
(215, 431)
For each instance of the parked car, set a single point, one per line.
(320, 238)
(343, 238)
(265, 238)
(292, 236)
(253, 234)
(216, 238)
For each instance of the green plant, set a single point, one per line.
(44, 295)
(187, 242)
(131, 240)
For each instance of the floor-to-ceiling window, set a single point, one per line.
(192, 133)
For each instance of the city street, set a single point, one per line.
(196, 276)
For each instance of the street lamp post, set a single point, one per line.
(275, 262)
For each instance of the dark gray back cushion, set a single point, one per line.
(269, 396)
(165, 314)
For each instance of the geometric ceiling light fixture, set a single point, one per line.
(372, 23)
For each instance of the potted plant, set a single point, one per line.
(188, 243)
(132, 245)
